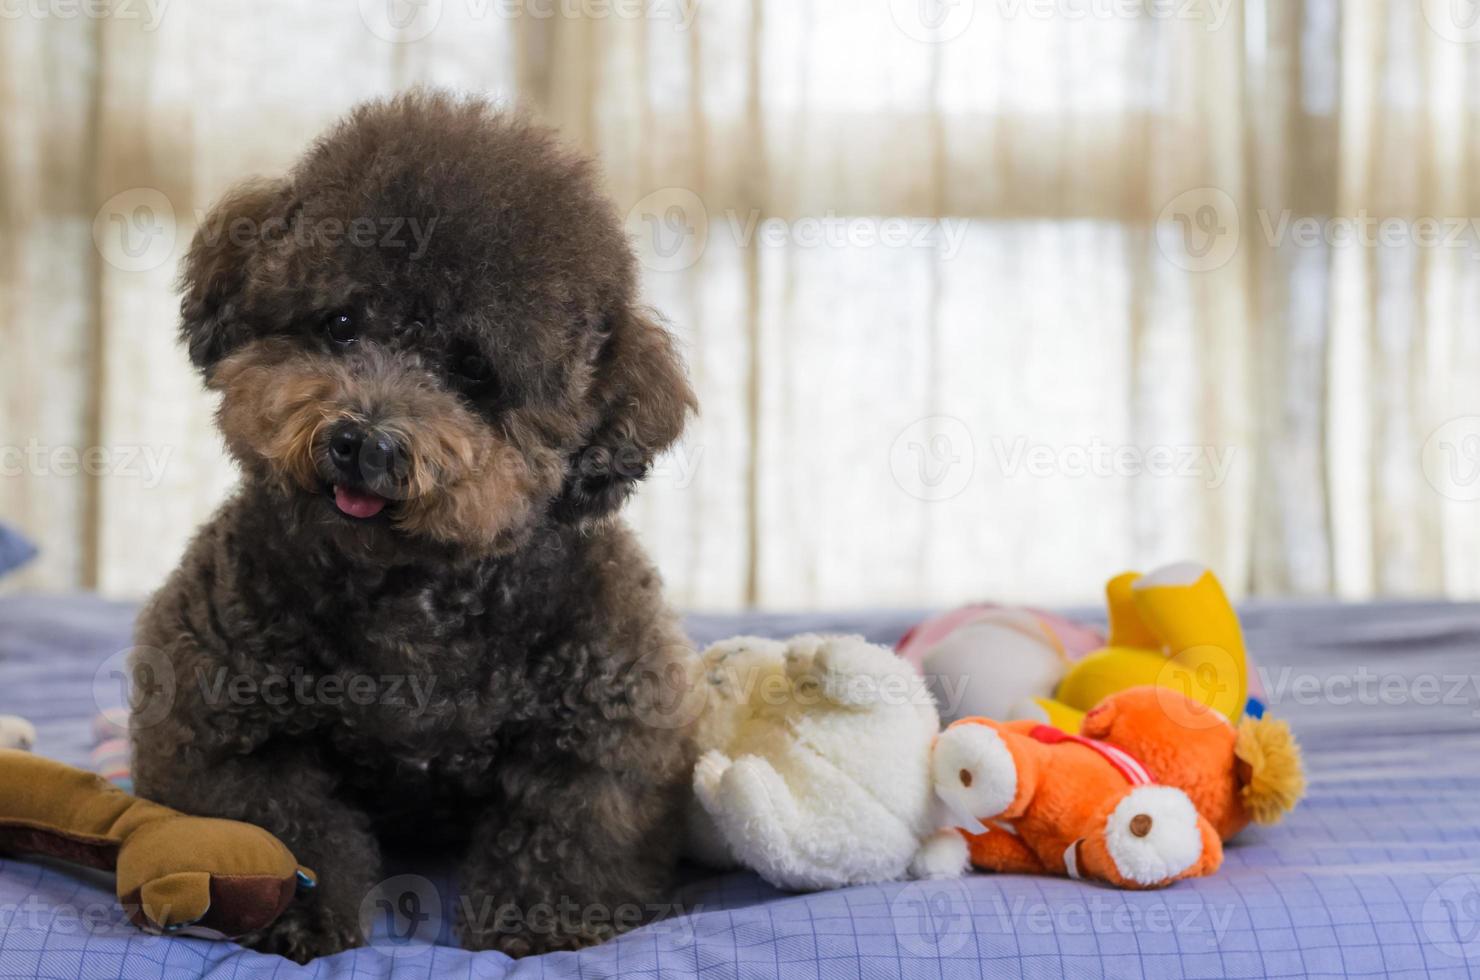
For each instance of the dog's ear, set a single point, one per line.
(231, 236)
(643, 396)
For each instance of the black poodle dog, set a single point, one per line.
(419, 618)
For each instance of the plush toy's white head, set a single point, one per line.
(16, 733)
(1153, 834)
(974, 774)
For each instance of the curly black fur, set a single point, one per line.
(502, 628)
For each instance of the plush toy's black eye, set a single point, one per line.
(343, 329)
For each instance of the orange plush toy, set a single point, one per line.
(1143, 796)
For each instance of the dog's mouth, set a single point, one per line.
(357, 504)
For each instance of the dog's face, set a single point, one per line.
(426, 335)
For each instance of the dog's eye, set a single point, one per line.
(473, 368)
(342, 327)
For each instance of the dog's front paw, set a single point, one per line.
(306, 931)
(520, 944)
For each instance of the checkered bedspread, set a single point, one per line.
(1377, 873)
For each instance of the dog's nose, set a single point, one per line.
(344, 448)
(378, 455)
(366, 455)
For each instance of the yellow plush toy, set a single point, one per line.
(1173, 628)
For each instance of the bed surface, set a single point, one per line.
(1377, 873)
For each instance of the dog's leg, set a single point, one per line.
(567, 859)
(290, 795)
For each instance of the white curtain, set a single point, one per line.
(983, 298)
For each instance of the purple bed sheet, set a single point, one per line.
(1376, 873)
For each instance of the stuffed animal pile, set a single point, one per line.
(1128, 762)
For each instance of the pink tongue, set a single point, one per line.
(358, 504)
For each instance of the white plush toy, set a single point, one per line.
(16, 733)
(815, 769)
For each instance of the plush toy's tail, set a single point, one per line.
(1269, 768)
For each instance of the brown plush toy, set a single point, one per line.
(175, 873)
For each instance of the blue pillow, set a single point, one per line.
(15, 550)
